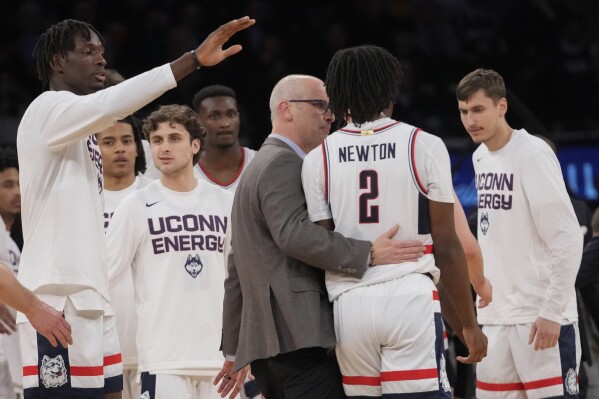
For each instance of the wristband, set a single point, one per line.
(195, 60)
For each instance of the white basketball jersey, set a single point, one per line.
(176, 244)
(112, 199)
(246, 157)
(122, 295)
(371, 177)
(528, 233)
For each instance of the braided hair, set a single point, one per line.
(361, 82)
(59, 39)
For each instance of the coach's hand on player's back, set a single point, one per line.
(50, 323)
(386, 250)
(476, 342)
(211, 52)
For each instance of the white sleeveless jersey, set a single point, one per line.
(231, 186)
(122, 295)
(60, 174)
(528, 233)
(371, 177)
(176, 244)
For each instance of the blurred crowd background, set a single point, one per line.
(547, 51)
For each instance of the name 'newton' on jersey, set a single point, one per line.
(371, 177)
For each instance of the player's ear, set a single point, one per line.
(502, 107)
(57, 63)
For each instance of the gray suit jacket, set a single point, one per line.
(274, 301)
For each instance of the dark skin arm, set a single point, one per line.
(450, 258)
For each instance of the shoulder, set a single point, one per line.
(249, 153)
(530, 148)
(206, 189)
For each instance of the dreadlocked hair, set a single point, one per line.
(59, 39)
(361, 82)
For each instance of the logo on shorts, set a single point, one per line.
(570, 382)
(145, 395)
(443, 375)
(194, 265)
(484, 222)
(53, 372)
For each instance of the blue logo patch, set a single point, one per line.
(194, 265)
(484, 222)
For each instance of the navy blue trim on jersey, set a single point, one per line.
(424, 221)
(148, 384)
(412, 159)
(113, 384)
(567, 352)
(327, 171)
(440, 352)
(44, 348)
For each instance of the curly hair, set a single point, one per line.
(181, 114)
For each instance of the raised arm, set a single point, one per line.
(210, 52)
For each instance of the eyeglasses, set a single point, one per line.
(321, 105)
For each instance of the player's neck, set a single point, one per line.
(112, 183)
(502, 136)
(181, 181)
(8, 220)
(215, 158)
(373, 118)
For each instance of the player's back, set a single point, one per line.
(371, 185)
(375, 176)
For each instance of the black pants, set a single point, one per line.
(303, 374)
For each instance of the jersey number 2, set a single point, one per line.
(369, 180)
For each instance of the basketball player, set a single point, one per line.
(124, 163)
(64, 258)
(223, 159)
(532, 247)
(371, 174)
(10, 207)
(173, 235)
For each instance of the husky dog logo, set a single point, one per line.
(145, 395)
(443, 375)
(484, 222)
(194, 265)
(570, 382)
(53, 372)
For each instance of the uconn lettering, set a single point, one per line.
(495, 182)
(367, 153)
(94, 153)
(193, 224)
